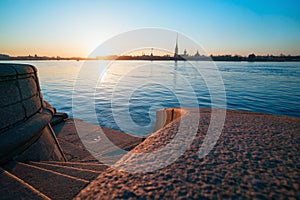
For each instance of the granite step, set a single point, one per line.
(78, 153)
(73, 152)
(98, 167)
(73, 144)
(85, 174)
(53, 184)
(106, 159)
(13, 187)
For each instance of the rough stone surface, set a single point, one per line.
(45, 148)
(28, 87)
(81, 165)
(21, 189)
(11, 115)
(84, 174)
(32, 105)
(50, 183)
(22, 119)
(18, 86)
(24, 69)
(73, 146)
(256, 157)
(9, 93)
(6, 71)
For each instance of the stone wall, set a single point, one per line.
(20, 94)
(25, 130)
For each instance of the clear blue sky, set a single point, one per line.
(75, 28)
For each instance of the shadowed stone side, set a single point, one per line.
(20, 94)
(25, 132)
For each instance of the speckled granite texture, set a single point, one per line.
(256, 156)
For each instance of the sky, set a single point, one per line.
(75, 28)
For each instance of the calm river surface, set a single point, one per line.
(139, 88)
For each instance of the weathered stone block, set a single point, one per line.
(32, 105)
(48, 150)
(9, 93)
(23, 76)
(6, 70)
(25, 69)
(24, 125)
(11, 115)
(28, 87)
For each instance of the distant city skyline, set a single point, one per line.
(76, 28)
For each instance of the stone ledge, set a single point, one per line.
(166, 116)
(18, 138)
(256, 156)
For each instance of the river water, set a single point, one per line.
(136, 89)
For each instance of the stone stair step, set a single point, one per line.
(107, 159)
(53, 184)
(81, 165)
(77, 153)
(85, 174)
(73, 145)
(14, 188)
(73, 152)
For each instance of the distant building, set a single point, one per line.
(4, 57)
(185, 53)
(251, 57)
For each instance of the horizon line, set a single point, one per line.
(115, 55)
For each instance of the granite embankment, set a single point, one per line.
(44, 155)
(256, 156)
(37, 162)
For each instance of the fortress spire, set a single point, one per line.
(176, 49)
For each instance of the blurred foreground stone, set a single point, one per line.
(256, 156)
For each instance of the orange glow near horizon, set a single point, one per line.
(60, 28)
